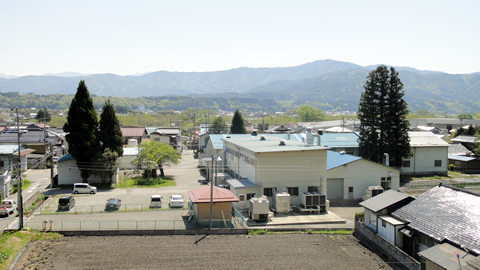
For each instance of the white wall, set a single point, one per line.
(361, 174)
(423, 161)
(68, 173)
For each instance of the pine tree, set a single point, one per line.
(82, 129)
(238, 126)
(382, 112)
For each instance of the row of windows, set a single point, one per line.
(240, 156)
(437, 163)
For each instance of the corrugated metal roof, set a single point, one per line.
(333, 140)
(217, 139)
(460, 158)
(392, 220)
(271, 144)
(384, 200)
(335, 159)
(130, 151)
(425, 139)
(445, 256)
(465, 139)
(445, 213)
(8, 149)
(66, 157)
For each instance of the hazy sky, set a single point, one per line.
(128, 37)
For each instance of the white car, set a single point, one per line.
(156, 201)
(176, 201)
(83, 188)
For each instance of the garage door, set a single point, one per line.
(335, 188)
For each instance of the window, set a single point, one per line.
(241, 197)
(406, 164)
(157, 139)
(438, 163)
(250, 195)
(1, 164)
(268, 192)
(293, 191)
(350, 189)
(384, 223)
(386, 183)
(312, 189)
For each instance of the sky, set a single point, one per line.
(39, 37)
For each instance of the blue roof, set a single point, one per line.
(461, 158)
(68, 156)
(335, 159)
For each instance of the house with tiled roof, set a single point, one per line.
(172, 136)
(426, 232)
(136, 133)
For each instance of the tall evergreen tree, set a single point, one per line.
(82, 129)
(43, 116)
(110, 134)
(238, 126)
(382, 112)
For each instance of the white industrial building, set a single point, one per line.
(429, 155)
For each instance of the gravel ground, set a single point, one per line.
(270, 251)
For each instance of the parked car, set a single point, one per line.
(113, 204)
(8, 207)
(83, 188)
(66, 203)
(156, 201)
(176, 201)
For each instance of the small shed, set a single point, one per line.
(222, 204)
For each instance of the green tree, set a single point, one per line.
(307, 113)
(382, 112)
(219, 126)
(465, 116)
(82, 129)
(110, 134)
(153, 155)
(238, 126)
(43, 116)
(108, 165)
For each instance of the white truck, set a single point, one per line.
(8, 207)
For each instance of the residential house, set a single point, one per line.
(9, 161)
(432, 228)
(68, 173)
(137, 133)
(443, 123)
(429, 155)
(470, 142)
(172, 136)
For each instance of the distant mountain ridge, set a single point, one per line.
(327, 84)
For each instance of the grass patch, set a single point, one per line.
(139, 182)
(463, 185)
(257, 232)
(451, 175)
(25, 184)
(12, 243)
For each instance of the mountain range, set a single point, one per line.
(327, 84)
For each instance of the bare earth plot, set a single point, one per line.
(270, 251)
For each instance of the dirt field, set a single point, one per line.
(270, 251)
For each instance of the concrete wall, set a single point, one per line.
(361, 174)
(390, 253)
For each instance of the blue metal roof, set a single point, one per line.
(335, 159)
(68, 156)
(333, 140)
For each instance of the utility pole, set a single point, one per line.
(211, 194)
(19, 183)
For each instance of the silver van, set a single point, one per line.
(83, 188)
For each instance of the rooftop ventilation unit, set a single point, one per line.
(254, 132)
(314, 200)
(282, 142)
(281, 202)
(259, 208)
(262, 138)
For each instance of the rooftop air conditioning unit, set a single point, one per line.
(281, 202)
(314, 200)
(259, 208)
(372, 191)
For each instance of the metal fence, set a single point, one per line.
(108, 225)
(52, 209)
